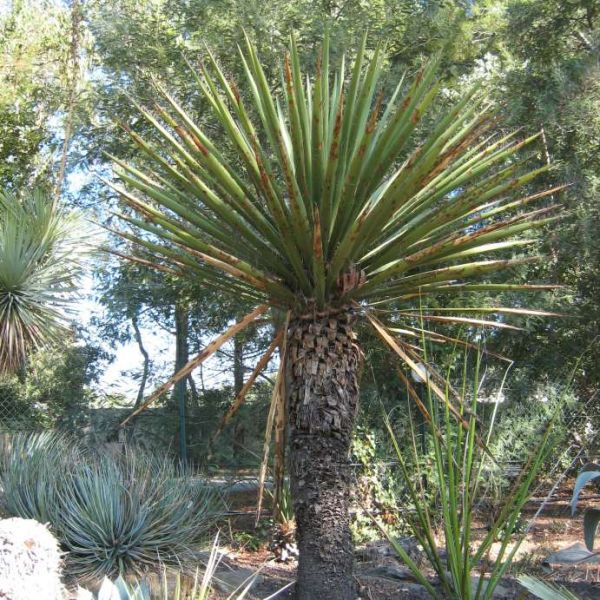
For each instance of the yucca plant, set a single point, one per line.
(41, 250)
(320, 202)
(31, 469)
(111, 514)
(464, 568)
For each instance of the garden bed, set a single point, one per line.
(552, 531)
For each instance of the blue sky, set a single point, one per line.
(119, 376)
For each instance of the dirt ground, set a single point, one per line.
(553, 530)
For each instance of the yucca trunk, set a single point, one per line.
(322, 386)
(327, 191)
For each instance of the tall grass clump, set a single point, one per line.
(112, 513)
(468, 567)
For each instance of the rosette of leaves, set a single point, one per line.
(113, 514)
(42, 247)
(327, 202)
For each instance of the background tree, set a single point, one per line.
(554, 86)
(41, 88)
(500, 43)
(54, 390)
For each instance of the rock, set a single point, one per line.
(30, 562)
(382, 550)
(83, 594)
(577, 553)
(229, 578)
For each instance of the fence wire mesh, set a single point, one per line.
(15, 413)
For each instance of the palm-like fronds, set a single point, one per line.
(321, 196)
(320, 200)
(41, 247)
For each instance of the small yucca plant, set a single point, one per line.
(459, 486)
(42, 247)
(112, 514)
(320, 202)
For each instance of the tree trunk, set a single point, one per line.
(146, 369)
(322, 388)
(182, 356)
(239, 429)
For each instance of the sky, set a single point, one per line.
(118, 377)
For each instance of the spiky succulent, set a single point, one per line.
(111, 513)
(326, 195)
(319, 196)
(41, 251)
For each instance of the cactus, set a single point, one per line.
(30, 561)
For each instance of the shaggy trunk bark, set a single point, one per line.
(322, 389)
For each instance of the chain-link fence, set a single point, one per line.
(238, 447)
(23, 409)
(15, 413)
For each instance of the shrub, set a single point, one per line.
(113, 514)
(376, 486)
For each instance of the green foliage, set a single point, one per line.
(53, 390)
(524, 413)
(58, 384)
(519, 419)
(112, 513)
(548, 77)
(212, 403)
(42, 247)
(376, 486)
(16, 413)
(34, 46)
(252, 541)
(460, 456)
